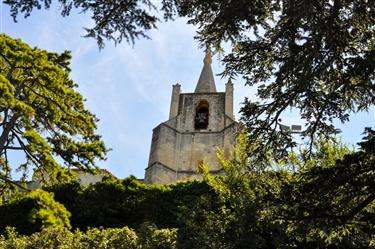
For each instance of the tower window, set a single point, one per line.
(201, 115)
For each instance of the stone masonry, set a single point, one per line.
(198, 124)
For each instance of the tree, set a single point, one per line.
(323, 201)
(114, 20)
(42, 115)
(315, 56)
(330, 201)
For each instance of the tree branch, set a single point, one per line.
(14, 183)
(360, 206)
(5, 134)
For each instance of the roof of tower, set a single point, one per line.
(206, 82)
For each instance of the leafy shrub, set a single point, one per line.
(33, 211)
(13, 240)
(111, 204)
(153, 238)
(111, 238)
(108, 204)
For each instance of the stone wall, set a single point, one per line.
(188, 104)
(177, 148)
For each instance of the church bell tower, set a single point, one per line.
(198, 123)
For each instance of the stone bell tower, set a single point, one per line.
(198, 123)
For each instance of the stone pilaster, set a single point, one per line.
(229, 99)
(174, 101)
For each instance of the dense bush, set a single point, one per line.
(33, 211)
(111, 238)
(113, 204)
(130, 203)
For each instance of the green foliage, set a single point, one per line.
(323, 201)
(13, 240)
(249, 194)
(117, 204)
(152, 238)
(32, 212)
(52, 237)
(115, 21)
(111, 238)
(332, 198)
(42, 115)
(315, 56)
(129, 203)
(48, 212)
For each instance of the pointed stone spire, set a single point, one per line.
(206, 82)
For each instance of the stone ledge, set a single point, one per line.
(180, 171)
(193, 132)
(204, 93)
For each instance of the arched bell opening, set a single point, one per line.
(201, 115)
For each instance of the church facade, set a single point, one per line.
(198, 124)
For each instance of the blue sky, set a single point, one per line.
(129, 87)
